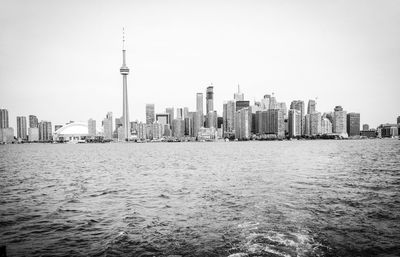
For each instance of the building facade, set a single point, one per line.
(150, 113)
(21, 128)
(339, 121)
(33, 121)
(353, 124)
(4, 118)
(45, 131)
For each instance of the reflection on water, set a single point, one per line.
(297, 198)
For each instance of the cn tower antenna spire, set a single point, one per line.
(123, 38)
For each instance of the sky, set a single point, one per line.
(60, 60)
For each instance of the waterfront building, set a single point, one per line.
(206, 134)
(45, 131)
(365, 127)
(21, 128)
(33, 121)
(311, 108)
(353, 124)
(179, 113)
(73, 131)
(212, 118)
(210, 99)
(326, 126)
(178, 128)
(134, 128)
(275, 123)
(388, 130)
(242, 104)
(108, 126)
(6, 135)
(339, 121)
(33, 134)
(150, 113)
(117, 132)
(228, 117)
(238, 96)
(170, 111)
(243, 124)
(142, 131)
(91, 128)
(199, 107)
(120, 133)
(315, 123)
(294, 123)
(124, 70)
(3, 118)
(368, 133)
(299, 105)
(167, 131)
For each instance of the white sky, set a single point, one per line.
(60, 60)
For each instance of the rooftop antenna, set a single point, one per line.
(238, 89)
(123, 38)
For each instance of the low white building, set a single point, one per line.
(73, 131)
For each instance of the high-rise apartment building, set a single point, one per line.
(3, 118)
(178, 128)
(45, 131)
(197, 123)
(21, 128)
(353, 124)
(108, 126)
(33, 121)
(311, 108)
(150, 113)
(238, 96)
(326, 126)
(92, 128)
(315, 123)
(339, 121)
(273, 122)
(212, 118)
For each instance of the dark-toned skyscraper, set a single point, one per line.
(242, 104)
(21, 128)
(33, 121)
(210, 99)
(3, 118)
(353, 124)
(150, 113)
(170, 111)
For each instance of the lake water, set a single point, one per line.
(287, 198)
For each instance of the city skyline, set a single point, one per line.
(70, 71)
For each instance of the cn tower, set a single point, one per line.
(124, 72)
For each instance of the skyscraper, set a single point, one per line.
(21, 127)
(294, 121)
(238, 96)
(228, 118)
(326, 126)
(162, 118)
(3, 118)
(210, 99)
(353, 124)
(33, 121)
(265, 102)
(45, 131)
(185, 112)
(108, 126)
(311, 108)
(150, 113)
(199, 107)
(315, 123)
(243, 124)
(179, 113)
(170, 112)
(242, 104)
(91, 128)
(299, 105)
(339, 121)
(124, 70)
(365, 127)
